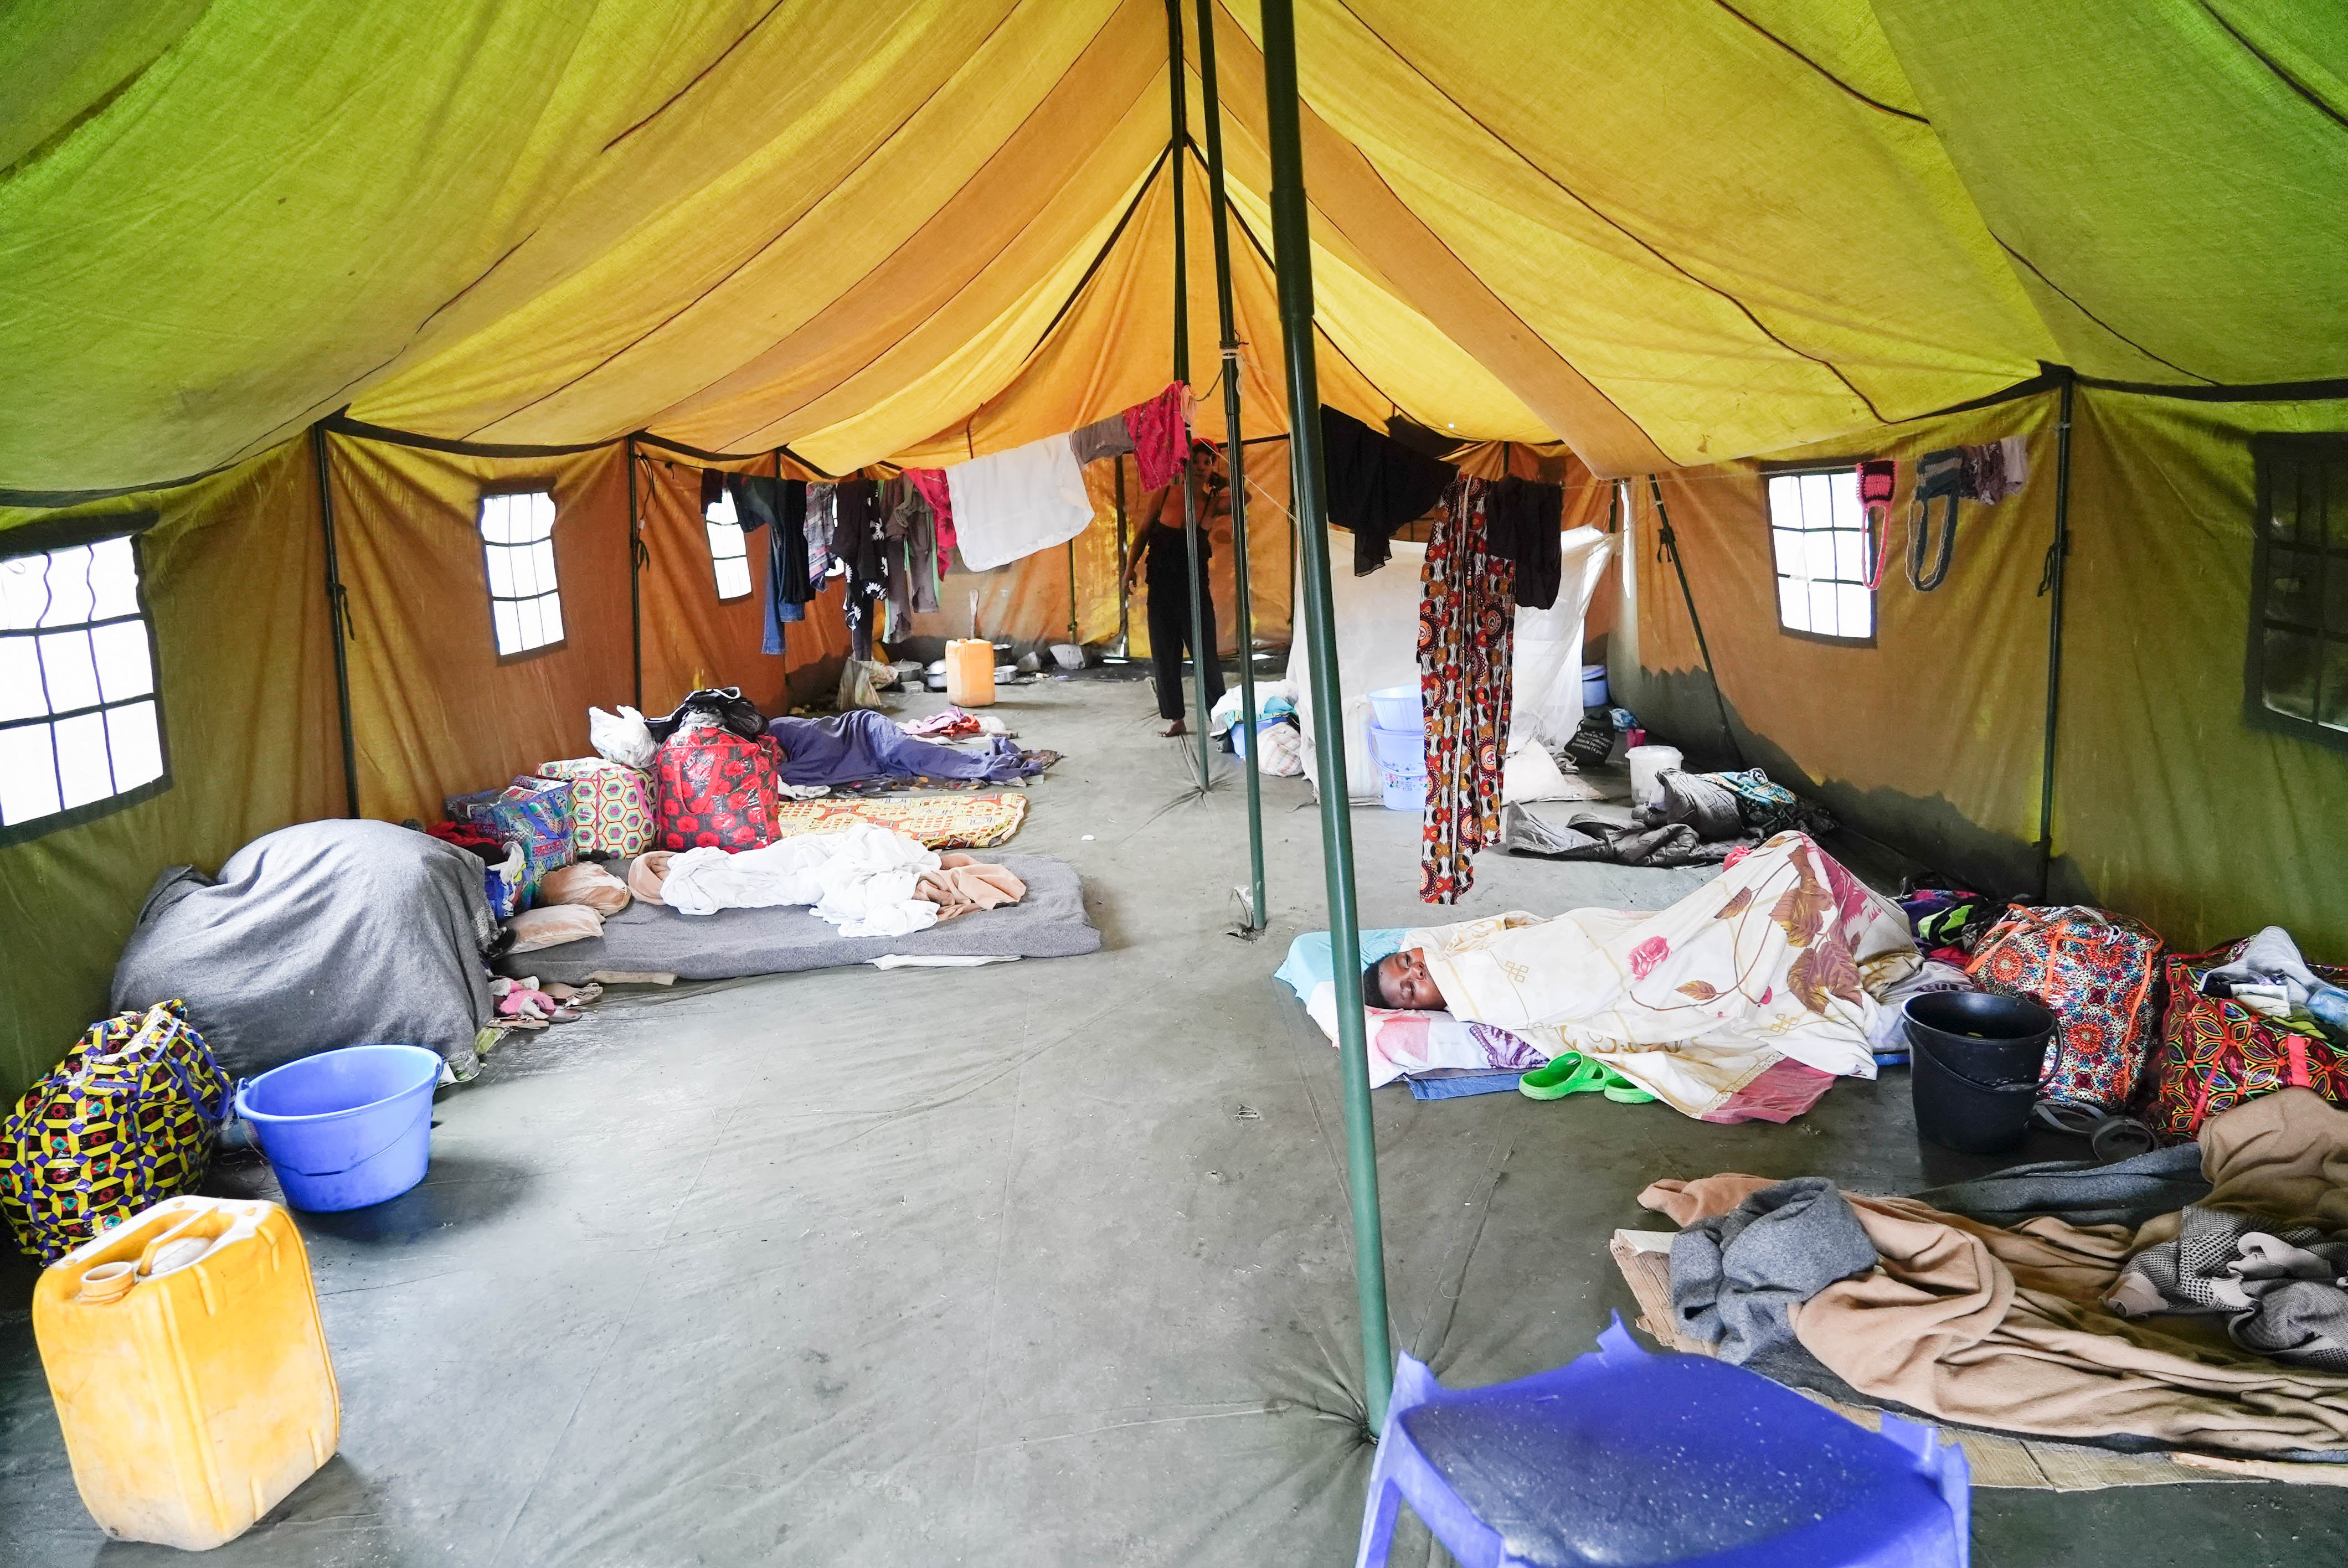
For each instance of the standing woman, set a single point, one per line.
(1161, 547)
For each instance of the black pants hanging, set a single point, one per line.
(1168, 571)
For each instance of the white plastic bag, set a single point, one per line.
(623, 738)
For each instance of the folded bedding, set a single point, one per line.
(1049, 922)
(2045, 1329)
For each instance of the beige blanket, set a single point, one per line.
(2004, 1330)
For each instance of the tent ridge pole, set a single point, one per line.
(339, 621)
(1234, 454)
(2058, 555)
(1292, 266)
(1177, 94)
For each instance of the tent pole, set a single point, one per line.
(1235, 454)
(2058, 555)
(1669, 542)
(1177, 166)
(1072, 594)
(338, 617)
(636, 560)
(1309, 512)
(1124, 572)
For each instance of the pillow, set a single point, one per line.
(552, 925)
(584, 883)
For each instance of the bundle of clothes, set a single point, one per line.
(2194, 1297)
(1687, 819)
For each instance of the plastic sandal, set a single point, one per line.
(1571, 1073)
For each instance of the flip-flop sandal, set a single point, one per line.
(1571, 1073)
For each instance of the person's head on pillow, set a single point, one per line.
(1400, 980)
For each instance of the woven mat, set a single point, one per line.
(938, 822)
(2028, 1464)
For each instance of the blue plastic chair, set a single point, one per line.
(1632, 1460)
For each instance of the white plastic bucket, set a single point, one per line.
(1647, 763)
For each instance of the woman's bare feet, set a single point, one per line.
(1177, 728)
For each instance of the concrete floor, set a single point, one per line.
(1041, 1263)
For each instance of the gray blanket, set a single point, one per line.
(1735, 1279)
(323, 935)
(1049, 923)
(1588, 836)
(2080, 1191)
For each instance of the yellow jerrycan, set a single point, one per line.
(970, 673)
(190, 1370)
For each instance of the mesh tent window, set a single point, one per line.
(81, 719)
(518, 548)
(1818, 544)
(2298, 666)
(729, 556)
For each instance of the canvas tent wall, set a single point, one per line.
(2170, 804)
(233, 569)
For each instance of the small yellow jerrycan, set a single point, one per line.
(190, 1370)
(970, 673)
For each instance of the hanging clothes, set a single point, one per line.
(1102, 438)
(1011, 504)
(1524, 523)
(1465, 668)
(1376, 485)
(822, 521)
(931, 483)
(1161, 429)
(922, 552)
(898, 500)
(857, 540)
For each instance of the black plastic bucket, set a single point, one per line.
(1976, 1059)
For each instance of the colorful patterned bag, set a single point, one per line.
(2215, 1053)
(2100, 974)
(128, 1119)
(713, 788)
(534, 813)
(611, 805)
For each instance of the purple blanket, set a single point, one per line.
(862, 745)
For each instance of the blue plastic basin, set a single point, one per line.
(346, 1128)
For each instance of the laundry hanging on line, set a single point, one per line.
(1011, 504)
(1377, 486)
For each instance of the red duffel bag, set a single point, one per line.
(714, 789)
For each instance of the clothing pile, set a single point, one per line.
(2221, 1324)
(1691, 819)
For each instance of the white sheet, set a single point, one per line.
(860, 880)
(1011, 504)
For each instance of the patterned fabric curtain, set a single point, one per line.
(1466, 640)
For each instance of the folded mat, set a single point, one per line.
(936, 822)
(1049, 923)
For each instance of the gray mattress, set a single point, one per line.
(1049, 923)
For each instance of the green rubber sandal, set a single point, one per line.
(1571, 1073)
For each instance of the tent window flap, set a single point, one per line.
(81, 724)
(729, 557)
(1818, 541)
(518, 545)
(2298, 666)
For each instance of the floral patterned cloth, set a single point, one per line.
(1781, 956)
(1466, 633)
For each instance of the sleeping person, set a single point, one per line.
(1781, 956)
(847, 748)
